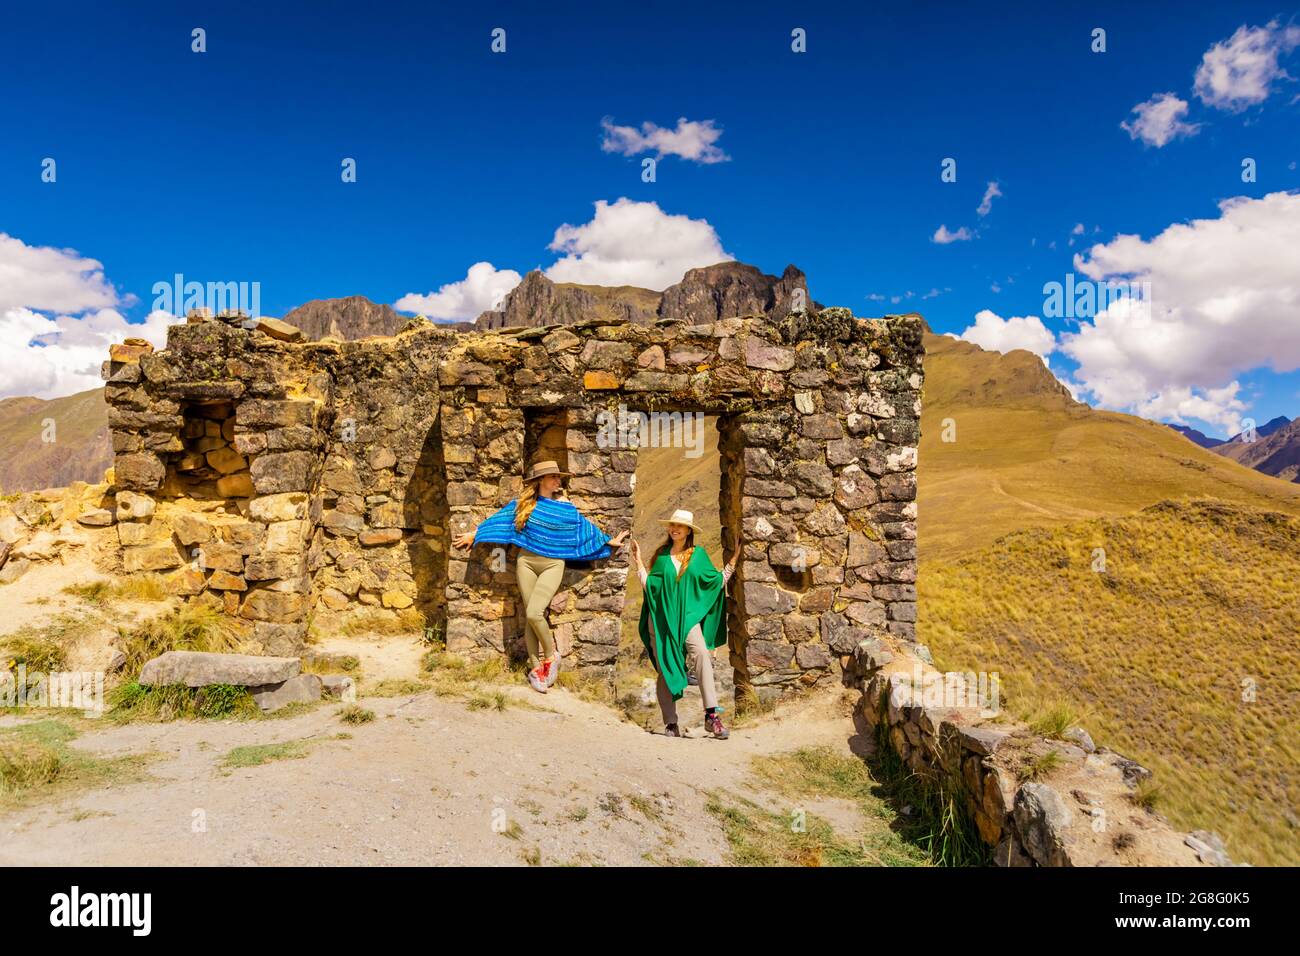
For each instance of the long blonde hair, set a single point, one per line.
(667, 548)
(527, 501)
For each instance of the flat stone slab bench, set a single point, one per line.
(201, 668)
(273, 681)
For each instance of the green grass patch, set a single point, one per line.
(131, 701)
(936, 821)
(396, 687)
(354, 714)
(1053, 720)
(821, 772)
(93, 592)
(255, 755)
(758, 837)
(45, 648)
(36, 761)
(1036, 768)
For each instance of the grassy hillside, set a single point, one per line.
(665, 481)
(80, 451)
(1199, 603)
(609, 298)
(1025, 455)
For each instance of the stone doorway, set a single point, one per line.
(692, 473)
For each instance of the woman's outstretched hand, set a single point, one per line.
(465, 540)
(617, 540)
(636, 552)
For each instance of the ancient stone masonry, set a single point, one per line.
(949, 733)
(280, 479)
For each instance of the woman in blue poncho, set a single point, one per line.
(548, 530)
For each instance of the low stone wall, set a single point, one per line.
(1033, 801)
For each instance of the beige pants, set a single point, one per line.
(539, 578)
(699, 660)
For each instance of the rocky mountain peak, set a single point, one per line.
(351, 317)
(704, 295)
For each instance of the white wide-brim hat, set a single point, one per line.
(682, 516)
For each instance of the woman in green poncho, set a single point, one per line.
(683, 607)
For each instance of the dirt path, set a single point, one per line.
(422, 784)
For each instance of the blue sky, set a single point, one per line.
(225, 165)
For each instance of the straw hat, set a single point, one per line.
(682, 516)
(541, 469)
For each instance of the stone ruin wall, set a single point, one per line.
(287, 481)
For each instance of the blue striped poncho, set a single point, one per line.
(554, 529)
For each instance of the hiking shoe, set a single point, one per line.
(672, 730)
(713, 725)
(536, 681)
(551, 670)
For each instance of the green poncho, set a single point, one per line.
(677, 605)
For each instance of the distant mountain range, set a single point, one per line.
(1275, 449)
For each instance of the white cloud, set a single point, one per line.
(1218, 406)
(53, 357)
(49, 357)
(1239, 72)
(693, 140)
(634, 243)
(1225, 299)
(991, 331)
(1160, 120)
(943, 236)
(483, 288)
(1077, 230)
(990, 193)
(55, 280)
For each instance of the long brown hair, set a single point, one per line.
(667, 546)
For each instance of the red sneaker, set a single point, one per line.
(713, 725)
(536, 680)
